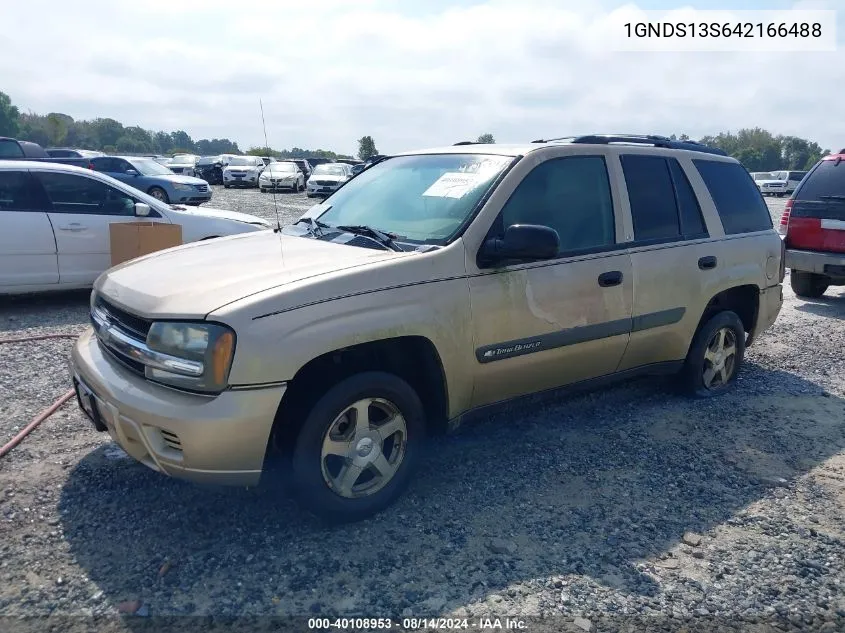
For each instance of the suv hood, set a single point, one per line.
(192, 280)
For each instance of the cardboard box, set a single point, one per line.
(133, 239)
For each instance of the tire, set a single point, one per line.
(159, 194)
(313, 468)
(300, 187)
(263, 190)
(226, 186)
(809, 285)
(697, 378)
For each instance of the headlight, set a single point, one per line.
(178, 186)
(202, 355)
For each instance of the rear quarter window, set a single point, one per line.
(737, 199)
(827, 179)
(9, 148)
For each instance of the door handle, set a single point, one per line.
(73, 226)
(707, 263)
(612, 278)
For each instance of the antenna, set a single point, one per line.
(278, 228)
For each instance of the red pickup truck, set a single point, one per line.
(813, 226)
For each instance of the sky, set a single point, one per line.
(410, 73)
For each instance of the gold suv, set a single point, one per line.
(430, 285)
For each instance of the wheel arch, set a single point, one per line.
(414, 358)
(744, 300)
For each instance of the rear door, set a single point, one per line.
(27, 245)
(672, 258)
(82, 209)
(817, 217)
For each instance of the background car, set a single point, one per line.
(56, 219)
(154, 179)
(325, 179)
(242, 171)
(281, 175)
(357, 169)
(304, 165)
(210, 169)
(792, 179)
(183, 164)
(68, 152)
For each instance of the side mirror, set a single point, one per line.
(142, 210)
(131, 172)
(522, 241)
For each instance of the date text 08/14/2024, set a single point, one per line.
(413, 624)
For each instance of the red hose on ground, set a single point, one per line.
(46, 413)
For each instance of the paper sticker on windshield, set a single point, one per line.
(454, 184)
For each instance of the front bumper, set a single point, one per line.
(831, 264)
(191, 197)
(219, 440)
(314, 189)
(774, 190)
(245, 181)
(275, 186)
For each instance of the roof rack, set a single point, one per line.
(637, 139)
(464, 143)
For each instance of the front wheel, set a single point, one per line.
(809, 285)
(714, 357)
(357, 449)
(159, 194)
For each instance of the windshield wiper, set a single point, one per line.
(382, 237)
(315, 227)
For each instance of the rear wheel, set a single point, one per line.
(811, 285)
(226, 186)
(715, 356)
(358, 447)
(159, 194)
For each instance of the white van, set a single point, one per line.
(791, 178)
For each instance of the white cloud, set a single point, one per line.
(330, 71)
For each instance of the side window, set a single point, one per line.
(652, 197)
(70, 193)
(737, 198)
(10, 149)
(692, 222)
(104, 164)
(15, 191)
(570, 195)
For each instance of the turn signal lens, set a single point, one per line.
(221, 357)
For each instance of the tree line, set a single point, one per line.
(757, 149)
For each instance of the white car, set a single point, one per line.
(183, 164)
(242, 171)
(326, 178)
(281, 175)
(791, 178)
(54, 224)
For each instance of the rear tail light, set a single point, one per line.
(783, 228)
(782, 260)
(90, 165)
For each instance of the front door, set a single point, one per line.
(543, 324)
(82, 210)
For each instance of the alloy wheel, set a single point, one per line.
(363, 448)
(719, 358)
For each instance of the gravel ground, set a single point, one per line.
(632, 503)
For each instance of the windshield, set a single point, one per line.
(329, 170)
(423, 198)
(763, 176)
(241, 161)
(283, 167)
(148, 167)
(209, 160)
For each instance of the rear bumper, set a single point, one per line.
(831, 264)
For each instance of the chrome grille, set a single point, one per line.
(135, 326)
(325, 183)
(201, 187)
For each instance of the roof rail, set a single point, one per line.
(637, 139)
(464, 143)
